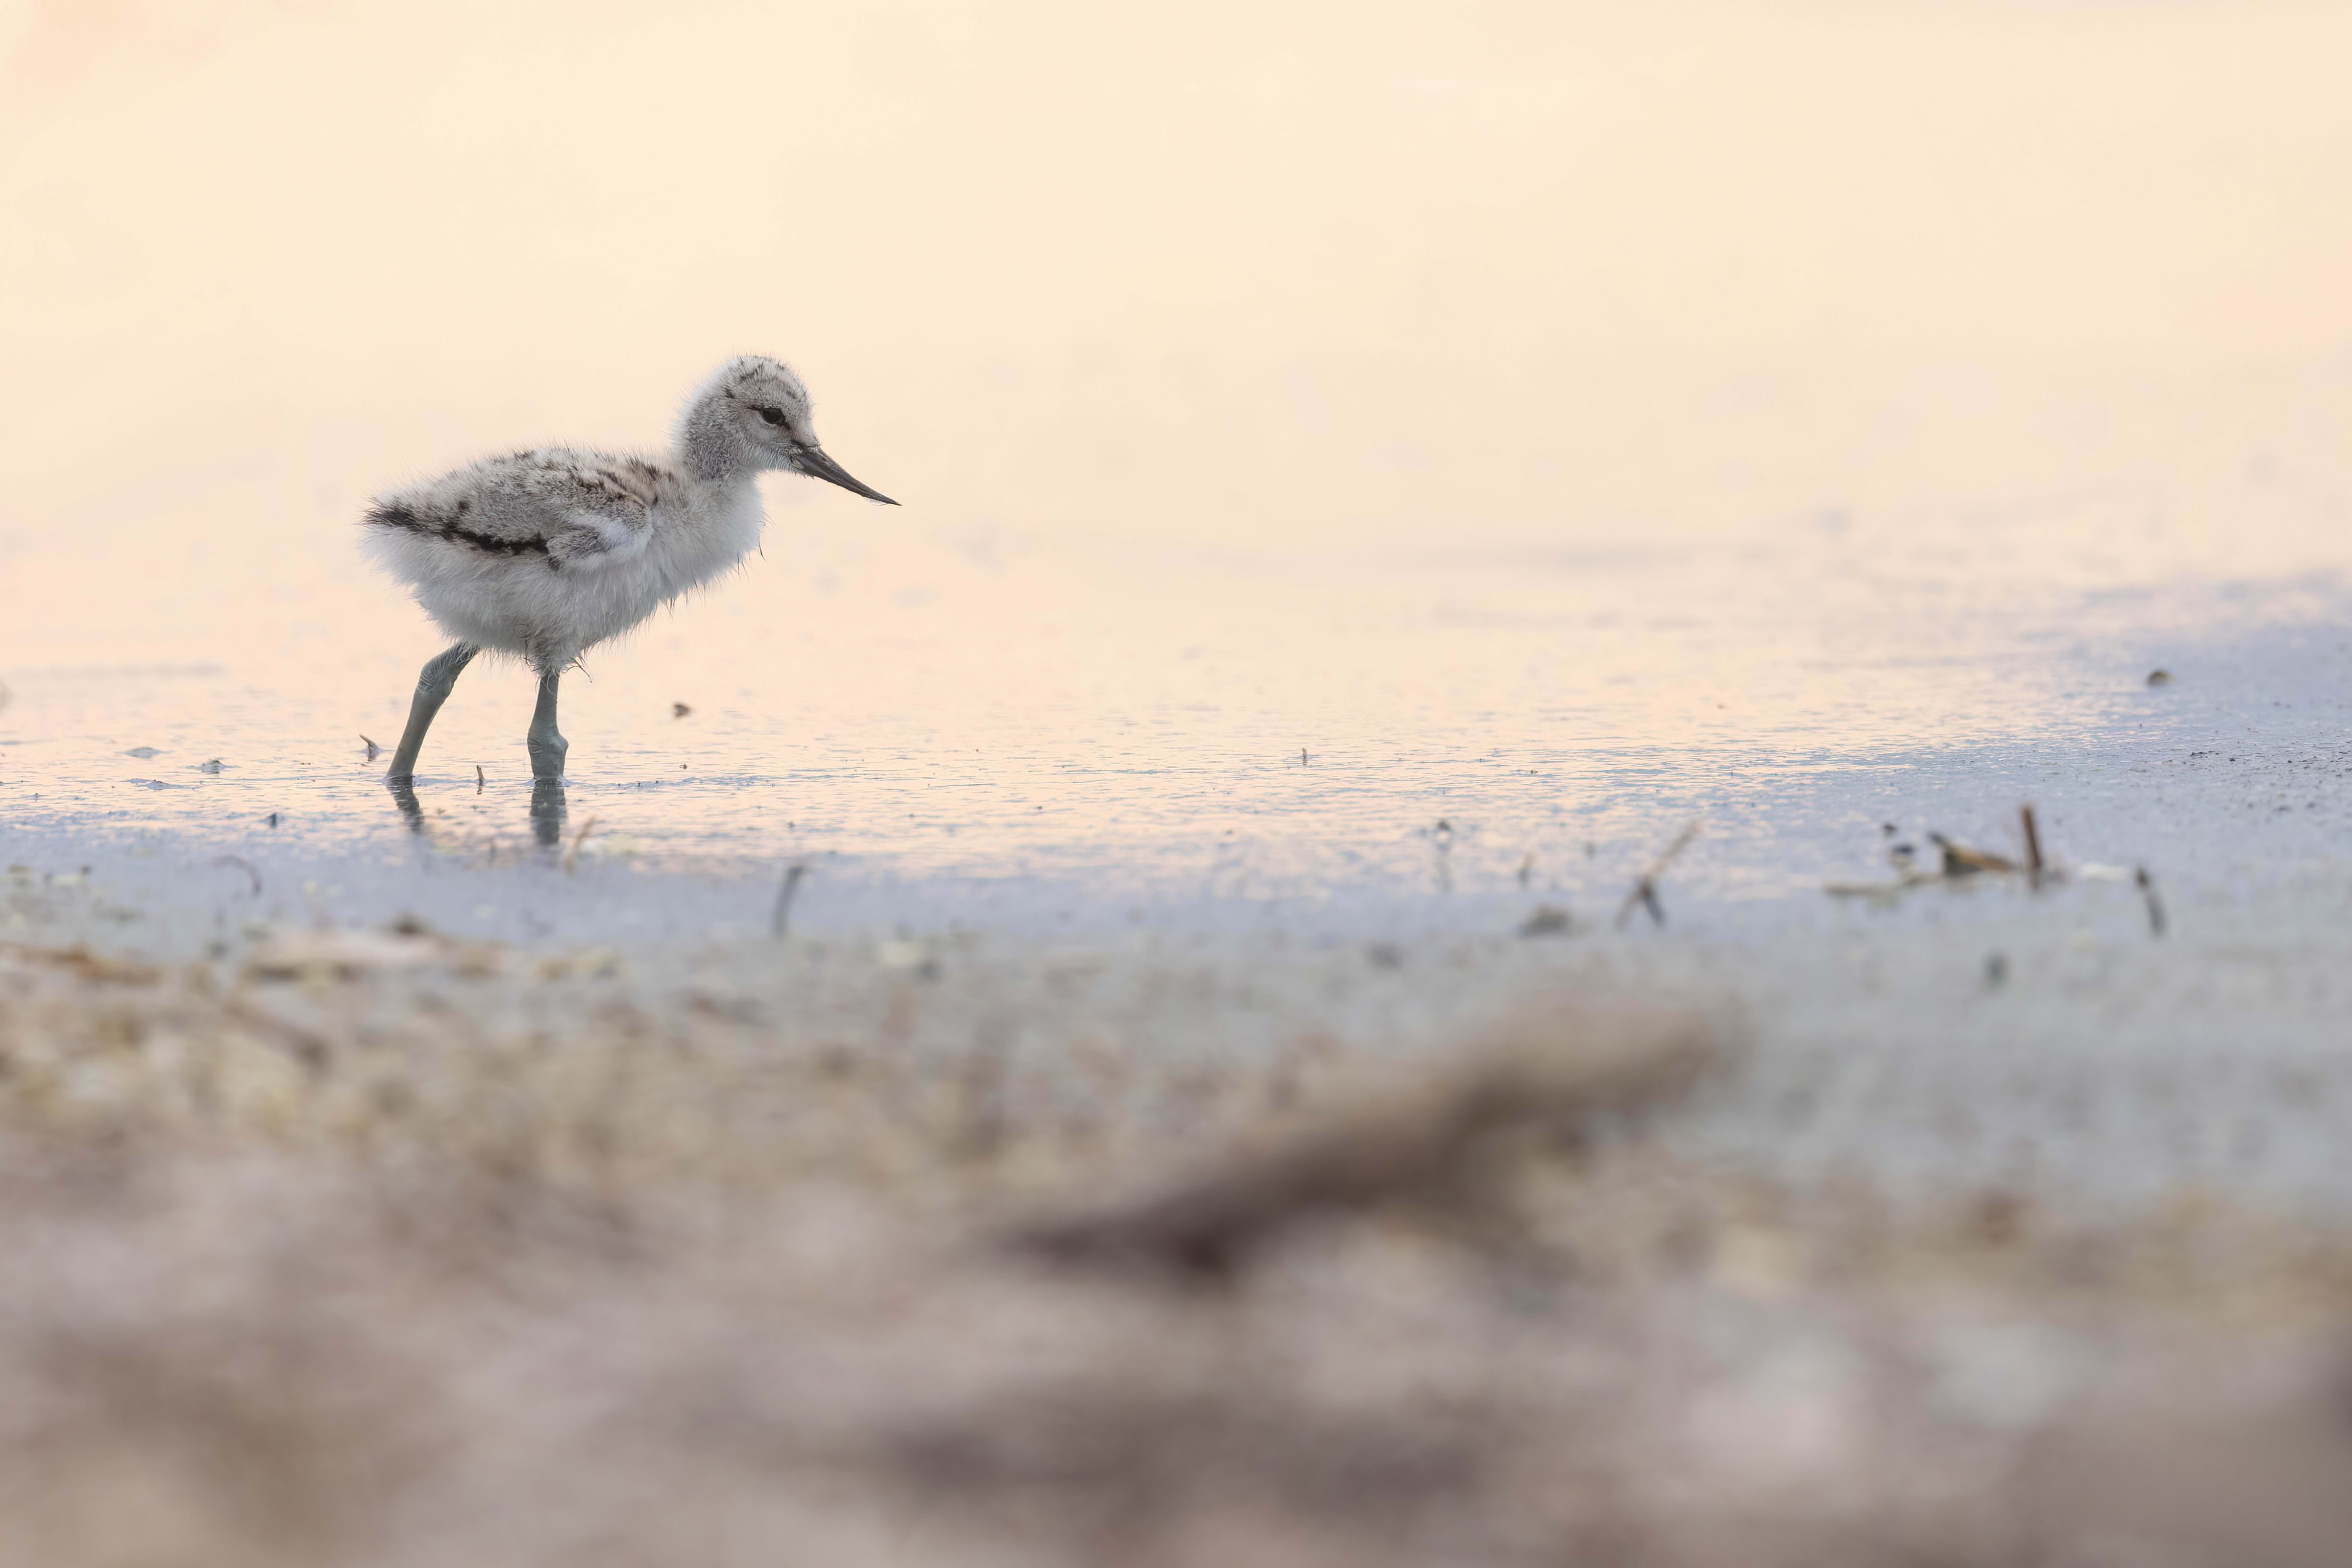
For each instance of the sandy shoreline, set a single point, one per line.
(371, 1244)
(1974, 1032)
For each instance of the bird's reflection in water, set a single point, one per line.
(403, 795)
(547, 810)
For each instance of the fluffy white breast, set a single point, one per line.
(690, 540)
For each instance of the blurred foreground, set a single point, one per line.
(353, 1246)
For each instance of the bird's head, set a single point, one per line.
(758, 407)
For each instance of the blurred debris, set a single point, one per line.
(213, 765)
(1553, 1068)
(2159, 677)
(1645, 892)
(479, 781)
(373, 749)
(680, 710)
(1995, 970)
(84, 964)
(143, 752)
(1548, 920)
(245, 865)
(1958, 863)
(1961, 861)
(352, 953)
(1385, 955)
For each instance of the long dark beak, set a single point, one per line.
(812, 460)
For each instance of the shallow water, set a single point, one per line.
(1139, 723)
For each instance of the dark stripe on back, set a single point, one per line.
(496, 545)
(399, 515)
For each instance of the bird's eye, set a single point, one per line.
(772, 415)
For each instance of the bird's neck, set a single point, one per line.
(710, 448)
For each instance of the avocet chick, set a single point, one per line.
(546, 553)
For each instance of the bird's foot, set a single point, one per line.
(547, 758)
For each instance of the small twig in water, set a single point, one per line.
(246, 866)
(373, 747)
(1645, 892)
(2032, 846)
(2147, 886)
(782, 919)
(478, 779)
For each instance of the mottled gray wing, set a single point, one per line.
(591, 511)
(573, 509)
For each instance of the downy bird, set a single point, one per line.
(545, 553)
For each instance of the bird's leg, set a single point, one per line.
(433, 688)
(546, 743)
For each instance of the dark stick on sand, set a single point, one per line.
(781, 921)
(1645, 892)
(2147, 886)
